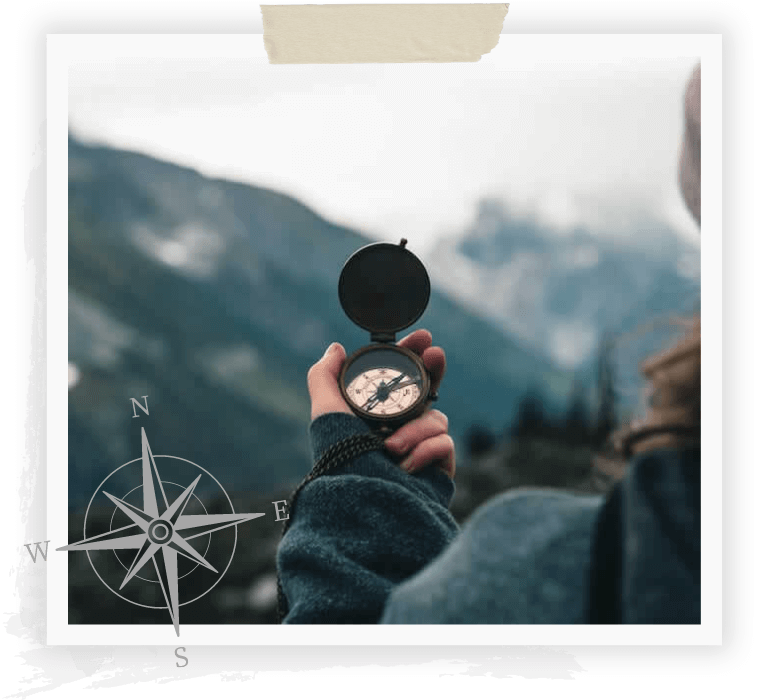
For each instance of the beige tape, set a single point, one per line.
(381, 33)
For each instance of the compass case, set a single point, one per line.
(386, 355)
(384, 288)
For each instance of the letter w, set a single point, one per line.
(37, 550)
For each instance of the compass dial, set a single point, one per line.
(385, 383)
(384, 391)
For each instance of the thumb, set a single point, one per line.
(323, 384)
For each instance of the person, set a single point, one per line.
(370, 538)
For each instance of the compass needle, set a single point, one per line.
(177, 507)
(146, 553)
(149, 477)
(128, 542)
(409, 382)
(158, 530)
(180, 545)
(94, 541)
(137, 516)
(168, 575)
(203, 524)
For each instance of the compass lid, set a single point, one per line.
(384, 288)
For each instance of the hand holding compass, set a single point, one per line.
(384, 288)
(417, 443)
(323, 377)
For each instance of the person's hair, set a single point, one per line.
(673, 412)
(673, 415)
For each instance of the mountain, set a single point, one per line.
(560, 292)
(212, 299)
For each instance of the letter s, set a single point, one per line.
(179, 656)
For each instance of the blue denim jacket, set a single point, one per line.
(370, 543)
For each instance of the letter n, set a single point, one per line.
(135, 403)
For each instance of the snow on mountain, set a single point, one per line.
(559, 293)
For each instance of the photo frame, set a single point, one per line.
(41, 146)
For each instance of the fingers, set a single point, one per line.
(433, 357)
(436, 363)
(416, 431)
(417, 341)
(323, 384)
(439, 449)
(423, 441)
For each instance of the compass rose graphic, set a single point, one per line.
(160, 531)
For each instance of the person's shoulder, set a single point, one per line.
(533, 534)
(523, 557)
(544, 514)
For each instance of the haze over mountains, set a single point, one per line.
(560, 292)
(213, 298)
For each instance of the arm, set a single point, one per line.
(522, 558)
(540, 556)
(359, 531)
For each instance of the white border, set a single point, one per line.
(63, 49)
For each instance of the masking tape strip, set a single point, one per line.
(381, 33)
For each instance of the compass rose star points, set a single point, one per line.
(159, 531)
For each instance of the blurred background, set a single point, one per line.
(213, 203)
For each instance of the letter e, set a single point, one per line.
(280, 510)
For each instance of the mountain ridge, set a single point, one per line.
(214, 298)
(557, 291)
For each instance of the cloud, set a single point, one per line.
(407, 150)
(571, 342)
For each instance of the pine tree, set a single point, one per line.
(577, 425)
(479, 440)
(529, 421)
(606, 411)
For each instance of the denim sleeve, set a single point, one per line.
(359, 531)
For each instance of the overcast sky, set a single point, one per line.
(407, 150)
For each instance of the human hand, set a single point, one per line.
(422, 440)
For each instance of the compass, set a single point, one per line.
(384, 288)
(161, 526)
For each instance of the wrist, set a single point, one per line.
(330, 428)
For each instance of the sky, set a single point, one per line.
(408, 150)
